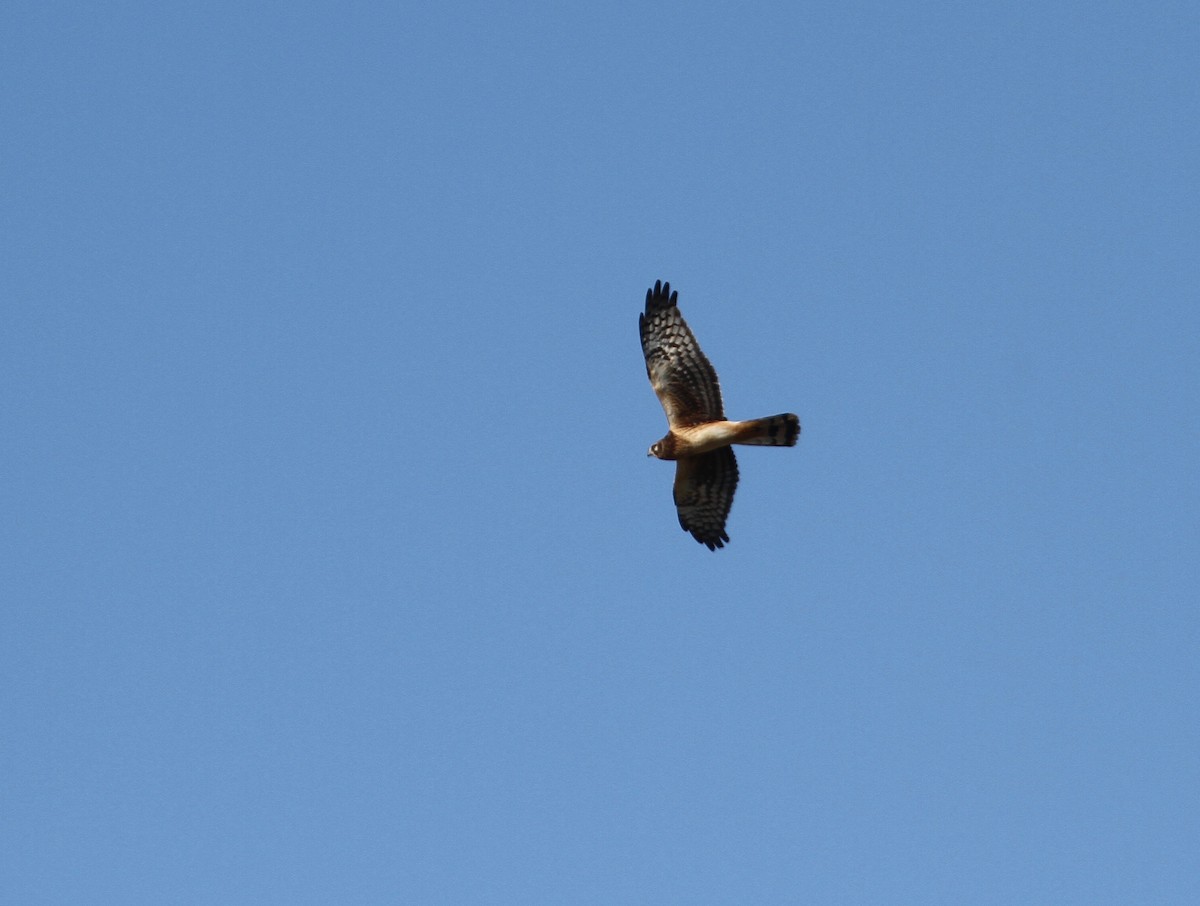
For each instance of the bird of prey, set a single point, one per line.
(706, 472)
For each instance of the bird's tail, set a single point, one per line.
(773, 431)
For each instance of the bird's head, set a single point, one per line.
(663, 449)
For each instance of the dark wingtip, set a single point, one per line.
(660, 295)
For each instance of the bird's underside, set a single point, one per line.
(699, 439)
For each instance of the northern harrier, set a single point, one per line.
(706, 472)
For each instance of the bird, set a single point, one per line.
(699, 436)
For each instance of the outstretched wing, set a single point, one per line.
(704, 487)
(682, 377)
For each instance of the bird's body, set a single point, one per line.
(699, 439)
(692, 440)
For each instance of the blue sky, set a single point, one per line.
(335, 569)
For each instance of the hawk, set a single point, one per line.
(706, 472)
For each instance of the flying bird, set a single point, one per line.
(706, 472)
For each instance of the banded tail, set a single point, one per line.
(773, 431)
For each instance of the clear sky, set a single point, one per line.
(334, 570)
